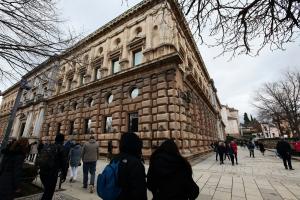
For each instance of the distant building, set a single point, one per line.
(269, 130)
(230, 117)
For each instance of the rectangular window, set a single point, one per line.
(133, 123)
(58, 128)
(81, 81)
(137, 57)
(47, 129)
(108, 125)
(87, 126)
(69, 84)
(71, 128)
(22, 129)
(115, 66)
(97, 73)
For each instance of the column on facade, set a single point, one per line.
(28, 124)
(149, 28)
(15, 130)
(38, 123)
(124, 56)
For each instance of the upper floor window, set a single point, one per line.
(97, 73)
(115, 66)
(81, 79)
(69, 84)
(137, 57)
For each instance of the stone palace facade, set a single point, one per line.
(141, 72)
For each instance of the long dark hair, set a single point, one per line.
(169, 147)
(131, 144)
(21, 145)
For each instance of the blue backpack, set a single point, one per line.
(107, 182)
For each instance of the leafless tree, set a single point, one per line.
(29, 33)
(281, 100)
(244, 26)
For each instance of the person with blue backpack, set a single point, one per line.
(124, 178)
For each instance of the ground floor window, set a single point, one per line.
(58, 128)
(71, 128)
(108, 124)
(87, 126)
(133, 122)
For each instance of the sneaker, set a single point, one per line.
(91, 187)
(71, 180)
(84, 187)
(292, 169)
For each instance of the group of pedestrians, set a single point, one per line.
(226, 150)
(169, 175)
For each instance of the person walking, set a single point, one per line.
(227, 151)
(131, 174)
(234, 147)
(284, 150)
(231, 153)
(215, 146)
(170, 175)
(52, 161)
(221, 151)
(11, 168)
(75, 156)
(89, 158)
(251, 148)
(33, 151)
(261, 148)
(40, 146)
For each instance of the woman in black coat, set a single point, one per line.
(11, 168)
(170, 175)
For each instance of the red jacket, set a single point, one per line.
(234, 147)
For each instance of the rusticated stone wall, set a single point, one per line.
(164, 111)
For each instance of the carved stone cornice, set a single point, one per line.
(136, 42)
(115, 53)
(97, 62)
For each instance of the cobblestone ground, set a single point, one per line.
(259, 178)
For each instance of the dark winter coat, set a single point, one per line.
(170, 177)
(251, 146)
(261, 147)
(131, 178)
(11, 173)
(75, 155)
(283, 148)
(221, 149)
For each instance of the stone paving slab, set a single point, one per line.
(259, 178)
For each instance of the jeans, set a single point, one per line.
(221, 156)
(73, 172)
(89, 167)
(232, 159)
(235, 156)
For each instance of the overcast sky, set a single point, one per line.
(235, 80)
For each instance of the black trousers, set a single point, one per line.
(49, 183)
(221, 156)
(217, 156)
(232, 158)
(287, 161)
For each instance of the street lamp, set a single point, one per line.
(23, 85)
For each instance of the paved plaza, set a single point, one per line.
(259, 178)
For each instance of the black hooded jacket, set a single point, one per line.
(170, 177)
(131, 175)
